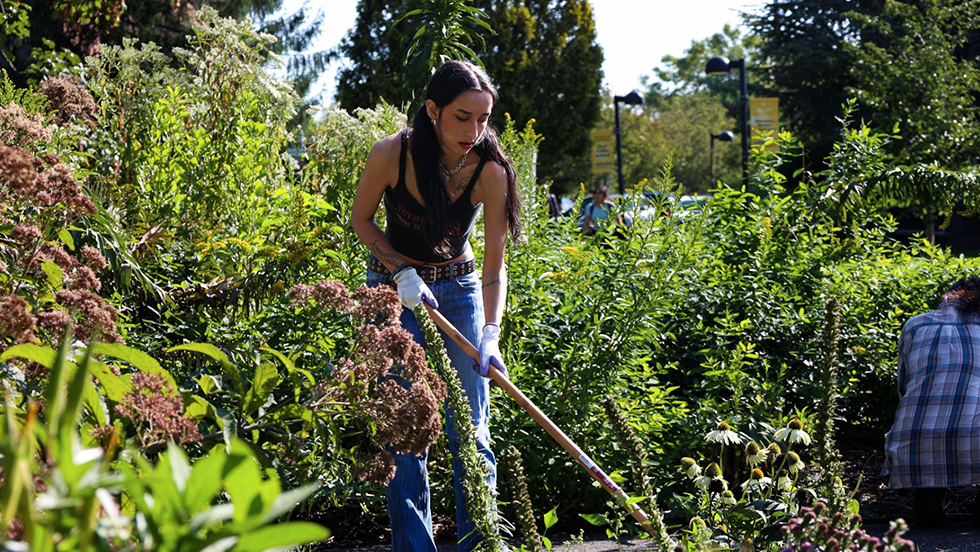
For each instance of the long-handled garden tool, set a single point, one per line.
(583, 459)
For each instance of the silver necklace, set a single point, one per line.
(462, 162)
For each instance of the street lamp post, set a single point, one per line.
(719, 65)
(725, 136)
(633, 98)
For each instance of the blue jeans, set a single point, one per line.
(461, 302)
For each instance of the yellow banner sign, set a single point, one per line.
(764, 120)
(603, 152)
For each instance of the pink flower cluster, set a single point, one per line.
(38, 191)
(16, 323)
(387, 382)
(47, 183)
(156, 411)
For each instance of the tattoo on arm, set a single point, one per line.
(389, 259)
(494, 282)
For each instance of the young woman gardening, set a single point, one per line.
(433, 177)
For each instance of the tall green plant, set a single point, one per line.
(94, 500)
(444, 33)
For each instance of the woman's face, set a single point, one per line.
(460, 124)
(600, 197)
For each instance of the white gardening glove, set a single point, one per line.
(490, 351)
(411, 289)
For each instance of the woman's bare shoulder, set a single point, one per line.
(388, 148)
(495, 174)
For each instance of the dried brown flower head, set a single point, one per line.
(71, 100)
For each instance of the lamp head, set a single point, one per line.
(633, 98)
(726, 136)
(718, 65)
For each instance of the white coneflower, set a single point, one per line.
(793, 462)
(717, 485)
(757, 481)
(793, 433)
(712, 480)
(690, 467)
(727, 498)
(784, 484)
(754, 455)
(724, 435)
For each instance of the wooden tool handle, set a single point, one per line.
(557, 434)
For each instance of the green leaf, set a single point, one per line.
(198, 407)
(265, 380)
(55, 276)
(180, 467)
(42, 355)
(221, 545)
(138, 359)
(550, 518)
(213, 516)
(243, 479)
(76, 388)
(218, 355)
(95, 403)
(208, 383)
(595, 519)
(115, 386)
(205, 480)
(65, 236)
(283, 535)
(285, 502)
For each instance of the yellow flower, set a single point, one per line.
(240, 243)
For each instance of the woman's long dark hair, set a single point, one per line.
(449, 81)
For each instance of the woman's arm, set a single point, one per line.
(492, 191)
(380, 172)
(587, 223)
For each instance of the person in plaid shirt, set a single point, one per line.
(935, 440)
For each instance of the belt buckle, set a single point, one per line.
(428, 274)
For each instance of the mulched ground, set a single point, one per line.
(879, 504)
(356, 527)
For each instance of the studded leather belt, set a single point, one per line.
(430, 273)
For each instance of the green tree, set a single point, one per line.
(685, 74)
(807, 64)
(678, 127)
(549, 67)
(376, 46)
(62, 32)
(684, 106)
(542, 54)
(911, 70)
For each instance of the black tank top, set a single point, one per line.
(405, 217)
